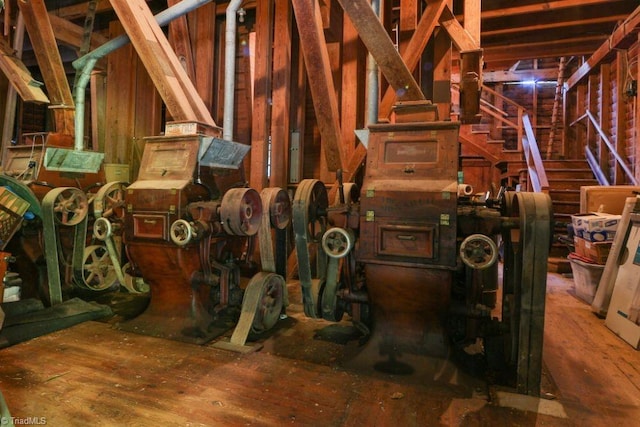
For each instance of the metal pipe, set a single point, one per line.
(229, 69)
(86, 63)
(372, 79)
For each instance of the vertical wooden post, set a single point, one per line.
(591, 106)
(202, 24)
(261, 111)
(604, 118)
(407, 24)
(472, 11)
(442, 74)
(281, 95)
(636, 136)
(622, 74)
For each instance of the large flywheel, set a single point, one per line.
(310, 206)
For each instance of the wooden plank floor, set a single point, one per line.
(94, 374)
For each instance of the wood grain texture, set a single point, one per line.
(92, 374)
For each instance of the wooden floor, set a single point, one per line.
(94, 374)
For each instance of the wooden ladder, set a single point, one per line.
(556, 106)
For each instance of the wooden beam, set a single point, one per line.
(553, 25)
(514, 76)
(546, 6)
(377, 41)
(407, 23)
(202, 24)
(538, 50)
(626, 31)
(70, 34)
(262, 107)
(461, 38)
(442, 74)
(472, 13)
(415, 48)
(316, 59)
(161, 62)
(602, 105)
(79, 10)
(19, 76)
(353, 103)
(280, 123)
(36, 20)
(621, 106)
(636, 146)
(180, 41)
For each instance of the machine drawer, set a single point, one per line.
(151, 226)
(407, 240)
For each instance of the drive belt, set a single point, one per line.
(68, 207)
(276, 214)
(309, 210)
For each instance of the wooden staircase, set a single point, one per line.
(565, 179)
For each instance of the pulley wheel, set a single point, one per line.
(70, 206)
(181, 232)
(351, 193)
(269, 289)
(279, 206)
(241, 211)
(109, 200)
(478, 251)
(102, 229)
(310, 205)
(337, 242)
(98, 271)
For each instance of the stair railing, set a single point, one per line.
(593, 162)
(503, 117)
(526, 139)
(531, 151)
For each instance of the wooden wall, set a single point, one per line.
(603, 93)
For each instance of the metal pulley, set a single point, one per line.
(102, 266)
(241, 211)
(337, 242)
(478, 251)
(68, 207)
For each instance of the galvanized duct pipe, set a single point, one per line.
(84, 65)
(372, 79)
(230, 69)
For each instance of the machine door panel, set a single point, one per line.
(407, 240)
(151, 226)
(417, 152)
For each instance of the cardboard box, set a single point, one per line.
(595, 226)
(586, 278)
(610, 198)
(597, 252)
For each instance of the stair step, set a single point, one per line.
(565, 164)
(558, 194)
(570, 173)
(570, 183)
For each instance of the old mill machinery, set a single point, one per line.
(190, 228)
(413, 256)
